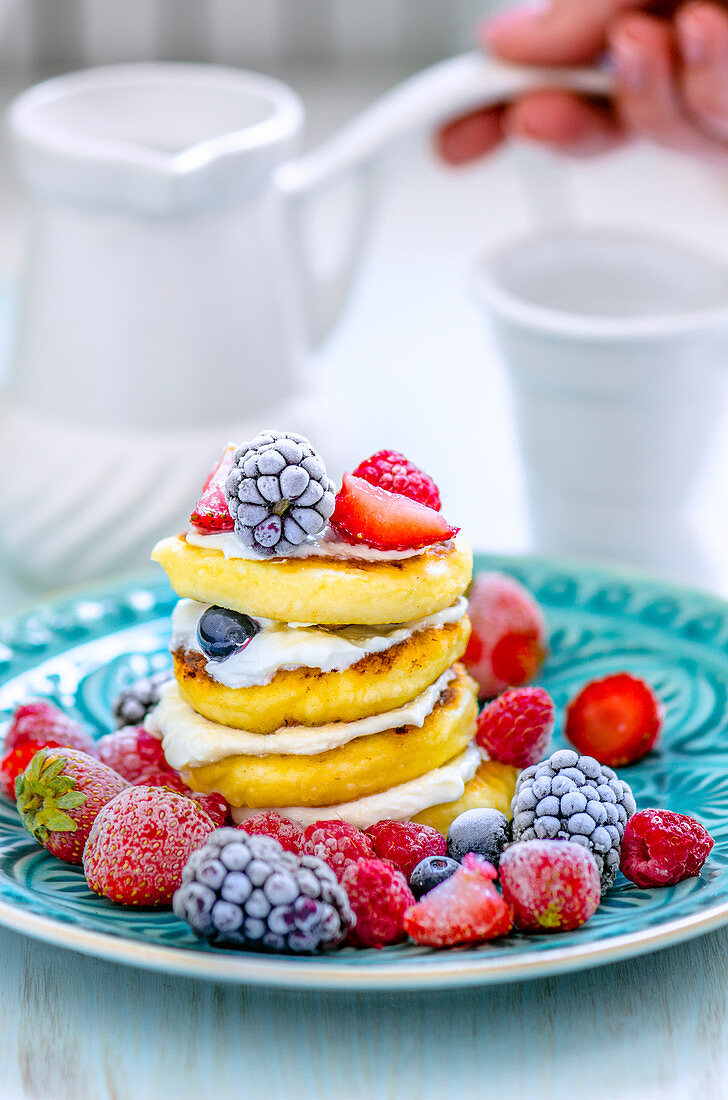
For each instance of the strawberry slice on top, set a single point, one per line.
(211, 513)
(367, 514)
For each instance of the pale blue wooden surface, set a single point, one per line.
(73, 1028)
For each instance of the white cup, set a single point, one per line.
(616, 344)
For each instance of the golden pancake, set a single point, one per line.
(309, 697)
(326, 591)
(492, 787)
(359, 768)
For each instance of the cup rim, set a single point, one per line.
(578, 326)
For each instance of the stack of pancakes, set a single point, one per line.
(300, 722)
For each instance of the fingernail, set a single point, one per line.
(508, 20)
(694, 38)
(629, 62)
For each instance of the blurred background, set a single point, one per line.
(411, 363)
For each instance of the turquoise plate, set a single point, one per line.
(79, 651)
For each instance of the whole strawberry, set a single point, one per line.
(41, 721)
(59, 796)
(139, 844)
(516, 727)
(507, 645)
(552, 885)
(465, 908)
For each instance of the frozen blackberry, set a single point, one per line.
(245, 891)
(573, 797)
(131, 706)
(278, 492)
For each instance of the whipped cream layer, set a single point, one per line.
(189, 740)
(292, 645)
(445, 784)
(328, 545)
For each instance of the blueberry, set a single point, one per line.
(485, 832)
(221, 632)
(430, 872)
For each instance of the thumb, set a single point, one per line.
(561, 32)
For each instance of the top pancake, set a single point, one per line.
(326, 591)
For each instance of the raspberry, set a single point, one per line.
(552, 885)
(516, 727)
(41, 721)
(16, 761)
(289, 834)
(616, 720)
(211, 512)
(59, 796)
(366, 514)
(379, 896)
(507, 645)
(132, 752)
(405, 843)
(390, 470)
(336, 843)
(213, 804)
(465, 908)
(661, 848)
(139, 844)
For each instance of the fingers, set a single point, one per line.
(469, 137)
(564, 32)
(702, 32)
(565, 123)
(647, 83)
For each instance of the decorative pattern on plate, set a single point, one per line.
(80, 651)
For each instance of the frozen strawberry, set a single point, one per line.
(59, 796)
(41, 721)
(140, 843)
(516, 727)
(465, 908)
(552, 885)
(211, 512)
(616, 720)
(366, 514)
(390, 470)
(507, 645)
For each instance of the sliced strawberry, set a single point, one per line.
(366, 514)
(211, 512)
(616, 720)
(465, 908)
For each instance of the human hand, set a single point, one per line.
(670, 68)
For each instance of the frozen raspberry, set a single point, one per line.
(132, 752)
(211, 512)
(405, 843)
(616, 720)
(390, 470)
(16, 761)
(507, 645)
(516, 727)
(465, 908)
(139, 844)
(59, 796)
(41, 721)
(379, 896)
(366, 514)
(661, 848)
(336, 843)
(289, 834)
(552, 885)
(213, 804)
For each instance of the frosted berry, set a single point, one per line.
(368, 515)
(430, 872)
(139, 843)
(405, 843)
(390, 470)
(132, 752)
(211, 513)
(516, 727)
(661, 848)
(379, 896)
(552, 885)
(16, 761)
(133, 704)
(41, 721)
(507, 645)
(336, 843)
(59, 796)
(465, 908)
(483, 831)
(617, 719)
(221, 632)
(278, 492)
(573, 797)
(289, 834)
(245, 891)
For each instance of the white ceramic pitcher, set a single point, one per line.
(170, 293)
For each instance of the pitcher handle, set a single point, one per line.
(424, 100)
